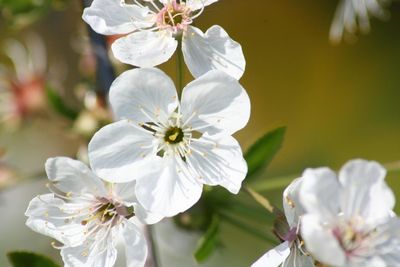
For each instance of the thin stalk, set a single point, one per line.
(261, 200)
(180, 71)
(247, 228)
(152, 260)
(250, 212)
(279, 182)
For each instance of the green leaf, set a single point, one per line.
(57, 103)
(29, 259)
(208, 242)
(263, 151)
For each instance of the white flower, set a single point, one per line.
(88, 216)
(291, 252)
(153, 29)
(353, 15)
(349, 220)
(188, 143)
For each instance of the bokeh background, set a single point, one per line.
(338, 102)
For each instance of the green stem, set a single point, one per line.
(245, 227)
(264, 202)
(250, 212)
(270, 184)
(180, 71)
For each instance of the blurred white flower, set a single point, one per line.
(349, 220)
(153, 28)
(291, 252)
(173, 148)
(22, 86)
(88, 216)
(353, 16)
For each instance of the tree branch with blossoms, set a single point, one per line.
(170, 152)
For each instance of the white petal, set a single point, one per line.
(46, 217)
(145, 48)
(214, 50)
(120, 152)
(138, 92)
(218, 162)
(365, 192)
(112, 17)
(135, 245)
(97, 251)
(321, 242)
(274, 257)
(386, 242)
(125, 193)
(171, 192)
(72, 176)
(319, 192)
(298, 259)
(215, 103)
(291, 203)
(199, 4)
(145, 216)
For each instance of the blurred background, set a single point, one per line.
(338, 102)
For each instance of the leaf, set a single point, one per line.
(29, 259)
(208, 242)
(263, 151)
(58, 104)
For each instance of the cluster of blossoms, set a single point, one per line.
(344, 221)
(154, 160)
(163, 147)
(352, 16)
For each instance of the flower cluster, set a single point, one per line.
(345, 220)
(353, 16)
(166, 144)
(154, 160)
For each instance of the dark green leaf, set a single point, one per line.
(57, 103)
(263, 151)
(29, 259)
(208, 242)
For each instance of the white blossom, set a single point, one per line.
(291, 251)
(349, 220)
(152, 29)
(188, 143)
(353, 16)
(88, 217)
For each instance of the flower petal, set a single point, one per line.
(319, 192)
(46, 217)
(214, 50)
(321, 242)
(215, 103)
(142, 93)
(199, 4)
(135, 245)
(145, 48)
(145, 216)
(365, 192)
(171, 192)
(274, 257)
(97, 251)
(291, 203)
(113, 17)
(72, 176)
(120, 152)
(298, 259)
(218, 162)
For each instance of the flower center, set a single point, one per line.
(175, 16)
(350, 238)
(106, 211)
(174, 135)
